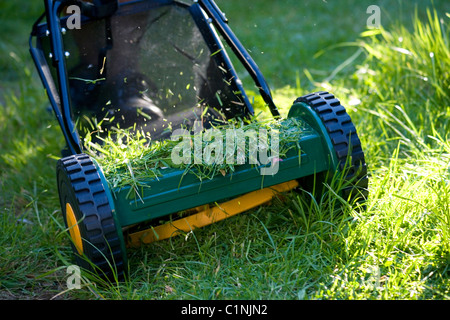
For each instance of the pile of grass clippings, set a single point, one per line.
(133, 159)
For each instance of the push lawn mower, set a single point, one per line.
(155, 66)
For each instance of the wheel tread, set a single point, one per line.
(345, 140)
(97, 214)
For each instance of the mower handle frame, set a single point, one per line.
(57, 92)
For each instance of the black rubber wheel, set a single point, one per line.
(96, 243)
(345, 141)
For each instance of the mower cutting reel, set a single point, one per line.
(156, 66)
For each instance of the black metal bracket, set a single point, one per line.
(58, 59)
(220, 22)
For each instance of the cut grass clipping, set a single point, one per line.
(132, 159)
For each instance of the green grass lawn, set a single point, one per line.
(395, 84)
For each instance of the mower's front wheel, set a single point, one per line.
(326, 114)
(96, 243)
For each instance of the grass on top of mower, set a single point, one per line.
(130, 158)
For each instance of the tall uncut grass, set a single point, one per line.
(400, 101)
